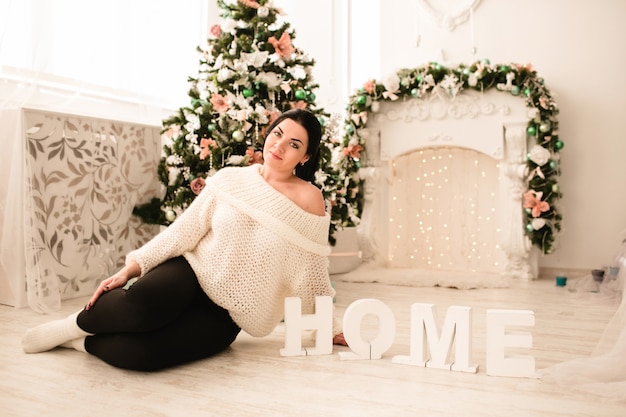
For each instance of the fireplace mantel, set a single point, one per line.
(491, 123)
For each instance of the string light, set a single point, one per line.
(446, 217)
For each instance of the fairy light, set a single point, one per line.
(443, 212)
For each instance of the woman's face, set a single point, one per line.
(286, 145)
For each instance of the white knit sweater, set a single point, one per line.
(250, 247)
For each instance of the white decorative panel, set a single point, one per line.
(83, 178)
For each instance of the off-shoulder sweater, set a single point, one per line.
(250, 247)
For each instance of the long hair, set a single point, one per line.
(313, 128)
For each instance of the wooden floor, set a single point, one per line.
(252, 379)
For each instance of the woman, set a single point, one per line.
(252, 237)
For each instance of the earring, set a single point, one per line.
(302, 163)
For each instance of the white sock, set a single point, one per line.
(52, 334)
(76, 344)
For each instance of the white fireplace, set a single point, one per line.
(444, 178)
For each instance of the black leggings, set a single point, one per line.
(163, 319)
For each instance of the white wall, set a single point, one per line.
(575, 45)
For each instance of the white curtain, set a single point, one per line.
(111, 71)
(141, 50)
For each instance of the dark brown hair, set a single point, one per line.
(313, 128)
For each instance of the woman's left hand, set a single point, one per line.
(338, 339)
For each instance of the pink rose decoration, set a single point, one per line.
(369, 86)
(197, 185)
(216, 30)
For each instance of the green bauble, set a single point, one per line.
(559, 144)
(515, 90)
(361, 99)
(312, 97)
(211, 127)
(248, 92)
(349, 129)
(532, 130)
(553, 165)
(300, 94)
(415, 92)
(555, 188)
(466, 71)
(529, 227)
(526, 92)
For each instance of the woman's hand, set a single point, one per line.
(338, 339)
(119, 279)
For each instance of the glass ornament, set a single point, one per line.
(300, 94)
(170, 215)
(263, 11)
(238, 135)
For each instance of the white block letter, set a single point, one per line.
(457, 326)
(352, 318)
(296, 323)
(498, 339)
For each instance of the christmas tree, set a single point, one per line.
(249, 73)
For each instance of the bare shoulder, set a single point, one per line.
(310, 198)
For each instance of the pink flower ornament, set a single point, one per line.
(532, 200)
(220, 104)
(283, 45)
(353, 150)
(205, 147)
